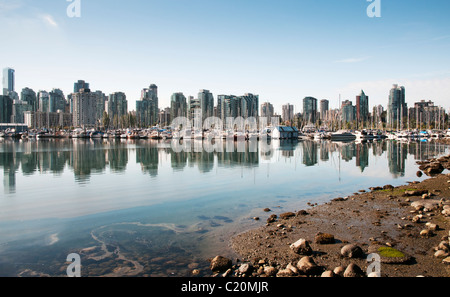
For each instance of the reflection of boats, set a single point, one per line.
(2, 134)
(96, 134)
(342, 135)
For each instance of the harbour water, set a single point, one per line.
(141, 208)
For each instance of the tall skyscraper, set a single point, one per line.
(29, 96)
(348, 111)
(117, 105)
(193, 106)
(6, 105)
(324, 107)
(206, 103)
(397, 107)
(267, 111)
(248, 106)
(178, 106)
(287, 113)
(309, 109)
(56, 101)
(84, 108)
(43, 99)
(228, 107)
(8, 81)
(147, 108)
(81, 84)
(362, 108)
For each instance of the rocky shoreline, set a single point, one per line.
(405, 228)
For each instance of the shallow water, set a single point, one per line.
(141, 208)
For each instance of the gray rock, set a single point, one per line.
(301, 247)
(352, 251)
(353, 270)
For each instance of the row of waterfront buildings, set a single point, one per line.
(87, 108)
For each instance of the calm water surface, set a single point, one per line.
(140, 208)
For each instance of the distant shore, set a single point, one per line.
(411, 222)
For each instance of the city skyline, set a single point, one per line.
(283, 53)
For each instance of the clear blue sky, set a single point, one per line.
(282, 50)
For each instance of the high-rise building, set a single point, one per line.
(228, 107)
(309, 109)
(29, 96)
(178, 106)
(164, 117)
(324, 107)
(348, 111)
(117, 105)
(79, 85)
(206, 103)
(362, 107)
(193, 106)
(8, 81)
(397, 107)
(6, 105)
(84, 108)
(56, 101)
(101, 99)
(43, 98)
(287, 112)
(147, 108)
(248, 106)
(18, 110)
(267, 111)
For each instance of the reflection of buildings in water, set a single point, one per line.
(117, 157)
(397, 153)
(87, 157)
(148, 157)
(288, 147)
(310, 149)
(178, 160)
(362, 155)
(325, 147)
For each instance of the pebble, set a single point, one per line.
(270, 271)
(339, 271)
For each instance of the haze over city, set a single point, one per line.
(281, 51)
